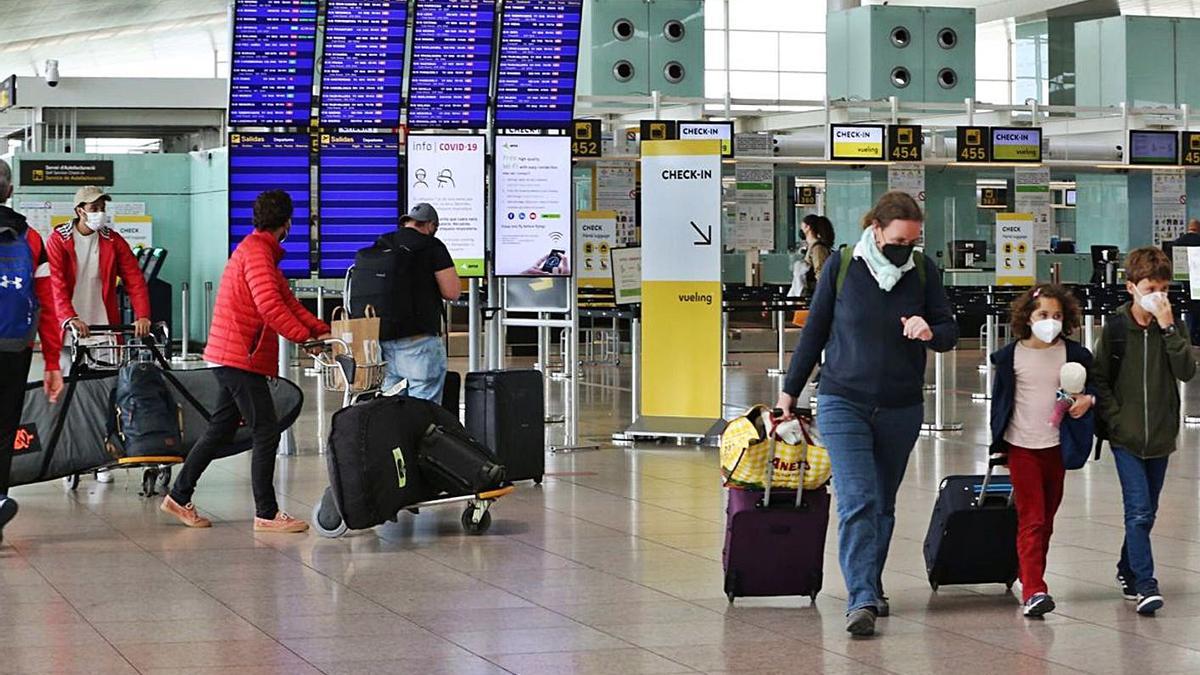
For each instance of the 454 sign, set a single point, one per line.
(1015, 262)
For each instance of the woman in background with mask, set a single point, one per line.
(874, 313)
(1025, 427)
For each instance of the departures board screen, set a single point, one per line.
(259, 162)
(539, 57)
(359, 197)
(362, 70)
(451, 64)
(271, 75)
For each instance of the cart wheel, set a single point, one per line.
(149, 479)
(164, 480)
(472, 527)
(326, 519)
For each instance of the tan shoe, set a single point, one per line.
(282, 522)
(186, 514)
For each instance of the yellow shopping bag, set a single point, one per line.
(745, 448)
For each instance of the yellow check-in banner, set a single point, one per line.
(681, 279)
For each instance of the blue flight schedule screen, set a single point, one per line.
(259, 162)
(539, 56)
(451, 64)
(359, 198)
(363, 64)
(271, 75)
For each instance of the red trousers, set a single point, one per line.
(1037, 479)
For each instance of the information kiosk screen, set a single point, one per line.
(259, 162)
(539, 56)
(359, 197)
(271, 74)
(362, 70)
(451, 64)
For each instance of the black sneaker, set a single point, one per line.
(1128, 590)
(884, 609)
(8, 511)
(1149, 603)
(861, 622)
(1039, 605)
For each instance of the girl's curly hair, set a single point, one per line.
(1023, 307)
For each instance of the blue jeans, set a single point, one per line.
(868, 449)
(420, 360)
(1141, 482)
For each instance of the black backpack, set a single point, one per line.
(382, 278)
(147, 416)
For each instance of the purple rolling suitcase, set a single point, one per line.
(775, 540)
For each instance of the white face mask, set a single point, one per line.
(1047, 330)
(1150, 301)
(95, 219)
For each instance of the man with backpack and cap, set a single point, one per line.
(408, 295)
(26, 308)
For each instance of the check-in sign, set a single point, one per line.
(709, 131)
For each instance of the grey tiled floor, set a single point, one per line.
(612, 566)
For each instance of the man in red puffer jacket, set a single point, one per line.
(254, 306)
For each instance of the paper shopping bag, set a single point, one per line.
(362, 335)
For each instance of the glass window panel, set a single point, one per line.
(993, 91)
(803, 52)
(753, 51)
(745, 84)
(991, 51)
(805, 15)
(714, 49)
(714, 84)
(802, 86)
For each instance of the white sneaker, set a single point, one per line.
(104, 476)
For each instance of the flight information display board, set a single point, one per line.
(539, 57)
(362, 70)
(359, 197)
(451, 64)
(259, 162)
(1153, 147)
(271, 75)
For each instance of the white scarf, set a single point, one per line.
(886, 274)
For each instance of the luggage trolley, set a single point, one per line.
(338, 371)
(107, 349)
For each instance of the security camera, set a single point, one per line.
(51, 72)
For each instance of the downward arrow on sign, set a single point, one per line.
(705, 238)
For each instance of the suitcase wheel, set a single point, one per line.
(538, 480)
(1009, 584)
(934, 585)
(326, 519)
(164, 480)
(730, 595)
(476, 519)
(73, 481)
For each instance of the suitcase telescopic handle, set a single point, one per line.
(994, 460)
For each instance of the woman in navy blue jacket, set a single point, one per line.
(1026, 428)
(879, 306)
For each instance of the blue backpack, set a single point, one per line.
(18, 304)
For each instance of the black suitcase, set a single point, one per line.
(972, 536)
(374, 457)
(506, 411)
(456, 463)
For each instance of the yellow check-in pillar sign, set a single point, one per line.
(1015, 261)
(681, 279)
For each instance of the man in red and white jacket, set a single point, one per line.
(16, 356)
(254, 307)
(86, 259)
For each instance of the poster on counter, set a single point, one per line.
(1193, 257)
(533, 206)
(448, 172)
(595, 238)
(908, 177)
(627, 275)
(1015, 261)
(1168, 204)
(616, 191)
(1033, 197)
(754, 223)
(1180, 262)
(137, 230)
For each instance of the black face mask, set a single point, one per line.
(897, 254)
